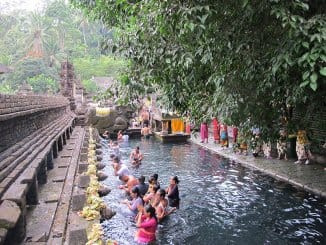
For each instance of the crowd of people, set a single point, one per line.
(147, 203)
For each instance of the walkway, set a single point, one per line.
(311, 178)
(47, 221)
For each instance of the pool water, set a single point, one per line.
(221, 202)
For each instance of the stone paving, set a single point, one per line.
(46, 222)
(311, 178)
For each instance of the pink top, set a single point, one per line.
(204, 131)
(147, 229)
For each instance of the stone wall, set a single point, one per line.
(21, 115)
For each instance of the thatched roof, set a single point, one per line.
(4, 69)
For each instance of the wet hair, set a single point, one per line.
(135, 190)
(162, 193)
(155, 176)
(152, 180)
(175, 178)
(155, 188)
(137, 148)
(149, 209)
(112, 156)
(141, 179)
(116, 159)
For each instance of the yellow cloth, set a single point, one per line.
(102, 112)
(177, 126)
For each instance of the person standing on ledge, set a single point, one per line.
(204, 132)
(216, 130)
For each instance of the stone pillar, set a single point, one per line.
(49, 160)
(68, 133)
(64, 138)
(55, 150)
(41, 175)
(32, 194)
(60, 145)
(17, 234)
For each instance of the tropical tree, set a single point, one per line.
(35, 43)
(249, 62)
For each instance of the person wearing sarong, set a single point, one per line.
(235, 134)
(204, 132)
(146, 222)
(216, 130)
(188, 127)
(224, 135)
(302, 147)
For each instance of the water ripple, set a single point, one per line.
(221, 203)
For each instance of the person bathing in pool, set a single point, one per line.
(136, 157)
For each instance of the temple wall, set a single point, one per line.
(21, 115)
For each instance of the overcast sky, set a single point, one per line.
(28, 5)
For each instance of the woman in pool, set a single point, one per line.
(147, 224)
(162, 209)
(173, 192)
(150, 195)
(134, 203)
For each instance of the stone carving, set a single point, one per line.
(116, 119)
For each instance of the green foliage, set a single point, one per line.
(90, 86)
(5, 89)
(249, 63)
(103, 66)
(32, 69)
(41, 84)
(35, 43)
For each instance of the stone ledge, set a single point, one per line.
(9, 214)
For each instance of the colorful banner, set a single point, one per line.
(177, 126)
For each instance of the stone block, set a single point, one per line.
(83, 181)
(83, 157)
(16, 193)
(77, 234)
(101, 175)
(107, 213)
(78, 200)
(82, 167)
(84, 150)
(103, 191)
(3, 234)
(100, 166)
(99, 158)
(9, 214)
(28, 175)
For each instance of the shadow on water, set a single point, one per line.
(221, 202)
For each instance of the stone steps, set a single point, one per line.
(26, 170)
(46, 222)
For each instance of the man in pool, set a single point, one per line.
(145, 131)
(119, 168)
(130, 182)
(136, 157)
